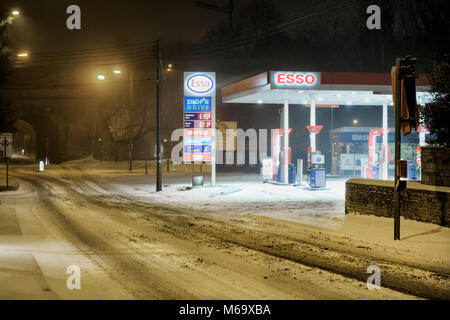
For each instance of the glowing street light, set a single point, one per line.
(22, 55)
(117, 71)
(11, 15)
(101, 77)
(356, 121)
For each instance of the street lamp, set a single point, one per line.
(117, 72)
(10, 16)
(22, 55)
(355, 122)
(101, 77)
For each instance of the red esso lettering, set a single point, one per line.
(200, 84)
(310, 79)
(290, 78)
(280, 78)
(298, 79)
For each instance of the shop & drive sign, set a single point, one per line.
(199, 116)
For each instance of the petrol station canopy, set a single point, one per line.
(326, 88)
(319, 89)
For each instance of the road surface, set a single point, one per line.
(131, 247)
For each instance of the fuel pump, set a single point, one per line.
(317, 170)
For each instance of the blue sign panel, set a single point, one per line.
(197, 104)
(197, 140)
(363, 137)
(197, 149)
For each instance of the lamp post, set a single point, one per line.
(116, 142)
(158, 118)
(131, 131)
(10, 16)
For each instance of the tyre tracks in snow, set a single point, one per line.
(224, 236)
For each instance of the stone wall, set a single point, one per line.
(418, 202)
(436, 166)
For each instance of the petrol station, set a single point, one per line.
(321, 90)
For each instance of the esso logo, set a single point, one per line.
(297, 79)
(200, 84)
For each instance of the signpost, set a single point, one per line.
(200, 119)
(6, 152)
(403, 77)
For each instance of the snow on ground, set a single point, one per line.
(54, 220)
(240, 195)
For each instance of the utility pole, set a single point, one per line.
(397, 108)
(158, 118)
(131, 131)
(116, 143)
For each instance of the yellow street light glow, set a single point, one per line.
(170, 66)
(22, 55)
(117, 71)
(355, 121)
(101, 77)
(15, 12)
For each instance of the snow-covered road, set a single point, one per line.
(241, 240)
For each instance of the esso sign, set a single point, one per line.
(200, 84)
(293, 80)
(296, 78)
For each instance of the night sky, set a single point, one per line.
(42, 25)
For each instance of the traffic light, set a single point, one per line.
(408, 106)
